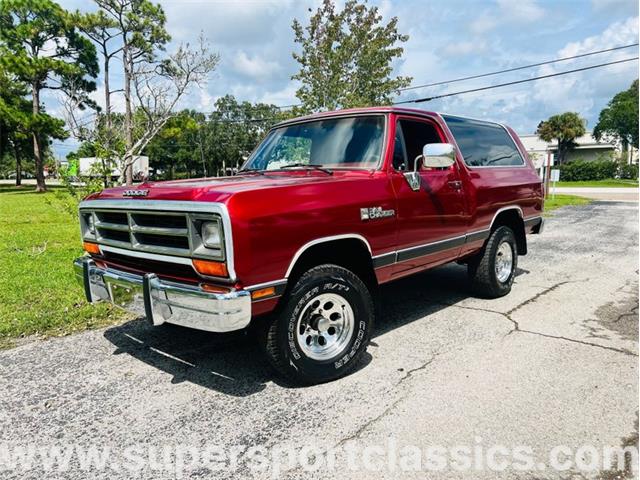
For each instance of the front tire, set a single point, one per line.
(324, 327)
(492, 272)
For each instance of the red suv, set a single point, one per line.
(326, 209)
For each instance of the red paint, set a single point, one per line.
(275, 214)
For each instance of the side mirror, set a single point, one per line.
(434, 155)
(438, 155)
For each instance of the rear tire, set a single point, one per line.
(492, 272)
(323, 328)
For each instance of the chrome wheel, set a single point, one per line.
(325, 326)
(504, 262)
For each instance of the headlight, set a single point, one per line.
(88, 223)
(211, 236)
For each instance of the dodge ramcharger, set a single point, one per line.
(326, 209)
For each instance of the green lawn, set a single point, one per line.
(38, 291)
(613, 182)
(562, 201)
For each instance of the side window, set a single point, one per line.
(484, 144)
(416, 135)
(399, 153)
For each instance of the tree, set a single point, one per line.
(619, 119)
(141, 28)
(346, 57)
(564, 128)
(152, 86)
(191, 145)
(176, 147)
(40, 45)
(233, 131)
(15, 116)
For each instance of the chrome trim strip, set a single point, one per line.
(324, 240)
(504, 209)
(429, 248)
(385, 259)
(274, 283)
(477, 235)
(177, 206)
(148, 256)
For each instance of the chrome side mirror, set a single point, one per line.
(438, 155)
(434, 155)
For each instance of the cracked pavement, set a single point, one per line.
(553, 363)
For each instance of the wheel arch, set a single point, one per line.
(351, 251)
(512, 217)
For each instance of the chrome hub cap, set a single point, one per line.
(504, 262)
(325, 326)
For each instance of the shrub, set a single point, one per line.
(629, 172)
(580, 170)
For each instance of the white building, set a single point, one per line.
(588, 149)
(90, 166)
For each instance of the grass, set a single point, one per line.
(39, 294)
(612, 182)
(562, 201)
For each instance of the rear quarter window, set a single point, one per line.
(484, 144)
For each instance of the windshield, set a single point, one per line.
(354, 142)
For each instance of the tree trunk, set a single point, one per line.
(18, 168)
(128, 120)
(37, 150)
(107, 92)
(107, 113)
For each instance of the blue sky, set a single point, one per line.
(447, 39)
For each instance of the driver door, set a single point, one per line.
(431, 220)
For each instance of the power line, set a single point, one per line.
(428, 99)
(548, 62)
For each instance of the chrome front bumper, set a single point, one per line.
(161, 301)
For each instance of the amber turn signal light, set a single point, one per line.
(214, 288)
(91, 248)
(211, 268)
(263, 292)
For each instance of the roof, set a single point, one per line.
(586, 141)
(369, 110)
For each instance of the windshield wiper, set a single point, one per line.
(307, 165)
(251, 170)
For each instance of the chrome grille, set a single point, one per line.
(168, 233)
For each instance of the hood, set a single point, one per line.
(221, 189)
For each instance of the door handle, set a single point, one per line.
(455, 184)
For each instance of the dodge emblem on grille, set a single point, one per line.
(135, 193)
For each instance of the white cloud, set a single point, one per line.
(520, 10)
(615, 6)
(465, 47)
(587, 91)
(254, 66)
(617, 34)
(483, 23)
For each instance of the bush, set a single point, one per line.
(580, 170)
(629, 172)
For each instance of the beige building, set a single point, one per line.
(588, 149)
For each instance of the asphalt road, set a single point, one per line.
(555, 363)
